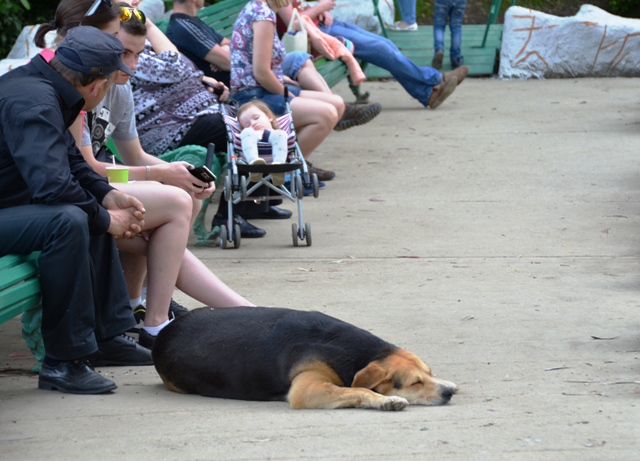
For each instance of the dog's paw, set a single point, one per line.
(394, 403)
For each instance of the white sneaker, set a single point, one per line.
(399, 28)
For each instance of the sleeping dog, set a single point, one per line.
(308, 358)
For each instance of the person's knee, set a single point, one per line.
(69, 220)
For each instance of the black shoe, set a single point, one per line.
(145, 339)
(122, 350)
(176, 309)
(138, 313)
(436, 63)
(75, 377)
(273, 213)
(247, 230)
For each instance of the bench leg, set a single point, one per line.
(360, 98)
(31, 321)
(205, 238)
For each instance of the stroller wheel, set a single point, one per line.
(316, 186)
(227, 188)
(237, 236)
(294, 234)
(223, 237)
(307, 233)
(299, 187)
(243, 187)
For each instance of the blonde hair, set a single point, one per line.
(260, 105)
(279, 3)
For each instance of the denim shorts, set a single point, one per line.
(274, 101)
(293, 62)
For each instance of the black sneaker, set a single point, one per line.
(145, 339)
(138, 313)
(176, 309)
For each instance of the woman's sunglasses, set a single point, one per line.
(127, 12)
(95, 6)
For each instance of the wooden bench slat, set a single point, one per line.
(15, 274)
(9, 312)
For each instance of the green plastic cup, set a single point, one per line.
(118, 173)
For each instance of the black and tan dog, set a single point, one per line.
(307, 358)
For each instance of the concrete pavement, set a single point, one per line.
(496, 237)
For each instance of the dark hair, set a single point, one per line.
(133, 26)
(74, 77)
(70, 13)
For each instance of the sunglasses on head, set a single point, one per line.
(92, 10)
(127, 12)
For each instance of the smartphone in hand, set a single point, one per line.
(203, 173)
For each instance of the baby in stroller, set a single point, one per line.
(259, 124)
(262, 149)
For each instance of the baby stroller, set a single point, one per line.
(238, 189)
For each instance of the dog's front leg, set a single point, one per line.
(321, 388)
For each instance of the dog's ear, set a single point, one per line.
(370, 376)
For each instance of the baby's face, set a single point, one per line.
(254, 118)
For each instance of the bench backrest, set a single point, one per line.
(220, 16)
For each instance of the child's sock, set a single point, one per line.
(249, 138)
(278, 140)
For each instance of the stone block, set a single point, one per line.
(593, 43)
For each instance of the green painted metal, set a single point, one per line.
(20, 294)
(418, 46)
(494, 12)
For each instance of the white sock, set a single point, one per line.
(278, 140)
(135, 302)
(153, 331)
(144, 296)
(249, 138)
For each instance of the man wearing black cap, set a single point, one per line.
(51, 201)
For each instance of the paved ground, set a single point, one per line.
(496, 237)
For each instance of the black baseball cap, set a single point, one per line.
(91, 51)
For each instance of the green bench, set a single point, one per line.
(20, 294)
(222, 16)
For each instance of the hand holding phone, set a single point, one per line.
(203, 173)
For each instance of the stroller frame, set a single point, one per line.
(238, 189)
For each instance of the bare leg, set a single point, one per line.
(196, 280)
(168, 218)
(135, 271)
(314, 120)
(310, 79)
(333, 99)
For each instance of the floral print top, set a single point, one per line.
(169, 97)
(242, 77)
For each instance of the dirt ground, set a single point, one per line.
(496, 237)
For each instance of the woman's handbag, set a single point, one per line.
(293, 39)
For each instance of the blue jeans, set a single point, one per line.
(275, 101)
(293, 62)
(451, 11)
(379, 51)
(408, 11)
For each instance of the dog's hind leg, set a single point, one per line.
(318, 386)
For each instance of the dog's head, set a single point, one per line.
(405, 375)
